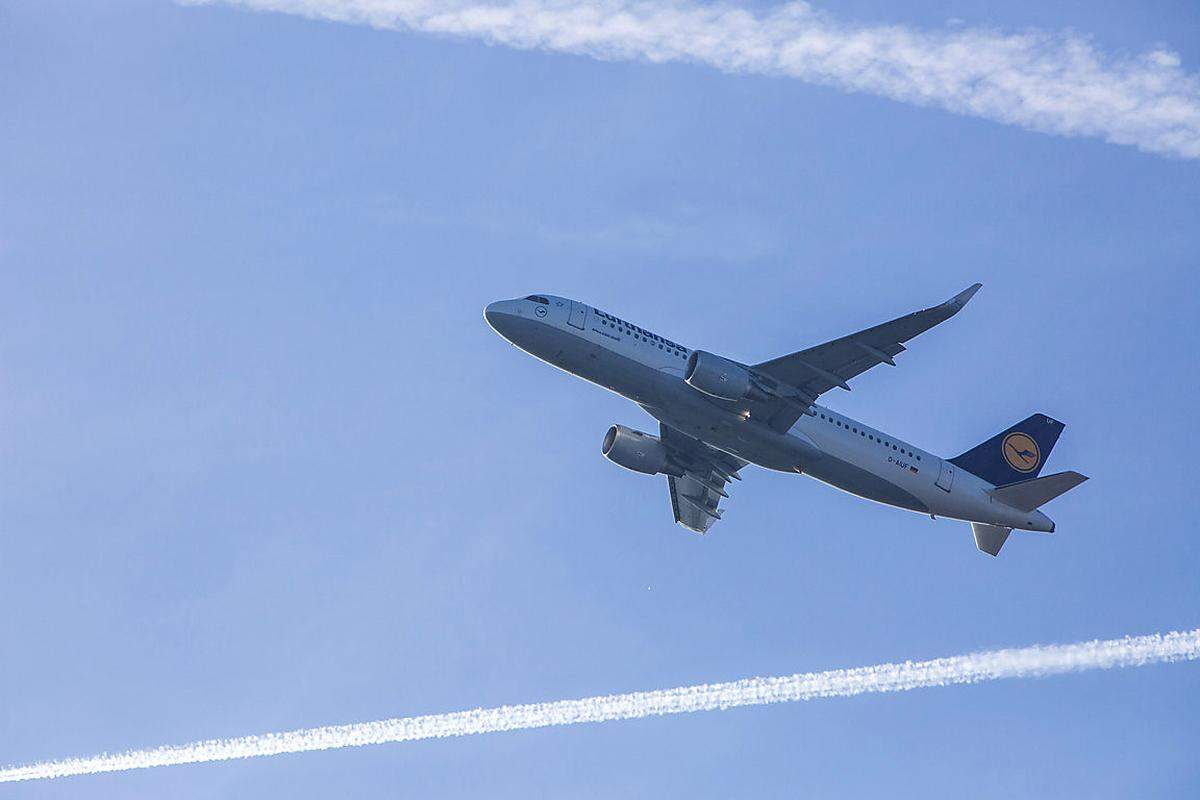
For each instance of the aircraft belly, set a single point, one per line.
(864, 483)
(604, 365)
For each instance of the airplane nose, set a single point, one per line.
(491, 313)
(502, 318)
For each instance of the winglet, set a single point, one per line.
(959, 300)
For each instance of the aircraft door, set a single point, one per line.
(578, 316)
(945, 478)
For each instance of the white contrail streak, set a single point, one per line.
(1053, 83)
(1026, 662)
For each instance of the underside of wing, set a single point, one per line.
(694, 505)
(818, 369)
(696, 495)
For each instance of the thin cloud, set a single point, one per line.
(1026, 662)
(1053, 83)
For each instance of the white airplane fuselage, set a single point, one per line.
(831, 447)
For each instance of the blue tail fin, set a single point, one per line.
(1015, 455)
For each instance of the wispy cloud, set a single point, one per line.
(1058, 83)
(1027, 662)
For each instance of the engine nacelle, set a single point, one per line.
(720, 377)
(634, 450)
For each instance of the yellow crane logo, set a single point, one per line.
(1021, 452)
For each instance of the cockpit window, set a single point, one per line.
(537, 298)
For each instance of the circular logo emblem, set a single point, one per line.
(1021, 452)
(540, 311)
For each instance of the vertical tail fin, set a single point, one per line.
(1017, 454)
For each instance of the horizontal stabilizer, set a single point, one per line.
(1036, 492)
(989, 538)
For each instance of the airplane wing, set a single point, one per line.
(819, 369)
(696, 495)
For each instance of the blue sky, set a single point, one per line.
(264, 466)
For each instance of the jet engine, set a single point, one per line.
(720, 377)
(635, 450)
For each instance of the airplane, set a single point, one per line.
(717, 415)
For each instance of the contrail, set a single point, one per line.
(1053, 83)
(1026, 662)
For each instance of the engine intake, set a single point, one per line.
(720, 377)
(634, 450)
